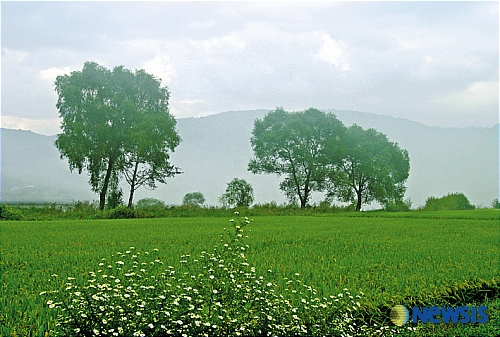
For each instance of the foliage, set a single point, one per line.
(292, 145)
(153, 135)
(239, 193)
(84, 206)
(149, 203)
(157, 209)
(214, 294)
(372, 168)
(123, 212)
(495, 203)
(398, 206)
(194, 198)
(112, 122)
(451, 201)
(115, 198)
(10, 213)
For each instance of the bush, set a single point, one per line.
(114, 198)
(9, 213)
(452, 201)
(123, 212)
(150, 203)
(84, 206)
(398, 206)
(495, 203)
(215, 294)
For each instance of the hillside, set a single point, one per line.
(216, 149)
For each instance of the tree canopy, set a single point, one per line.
(193, 198)
(116, 122)
(238, 193)
(315, 152)
(293, 145)
(371, 168)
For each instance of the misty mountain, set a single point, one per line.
(216, 149)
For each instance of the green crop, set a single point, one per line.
(391, 259)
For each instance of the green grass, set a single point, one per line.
(394, 258)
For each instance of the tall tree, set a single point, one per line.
(152, 133)
(292, 145)
(104, 117)
(372, 168)
(91, 124)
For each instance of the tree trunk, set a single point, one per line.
(104, 190)
(303, 200)
(358, 205)
(132, 185)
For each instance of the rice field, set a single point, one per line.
(390, 258)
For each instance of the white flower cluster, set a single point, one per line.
(217, 294)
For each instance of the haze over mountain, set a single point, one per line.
(216, 149)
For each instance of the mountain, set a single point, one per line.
(216, 149)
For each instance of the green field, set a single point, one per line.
(393, 258)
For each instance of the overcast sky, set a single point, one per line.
(431, 62)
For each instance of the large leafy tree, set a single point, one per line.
(293, 145)
(372, 168)
(152, 133)
(115, 121)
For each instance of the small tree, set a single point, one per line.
(194, 198)
(495, 203)
(239, 193)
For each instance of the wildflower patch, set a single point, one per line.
(217, 293)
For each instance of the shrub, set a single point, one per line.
(451, 201)
(150, 203)
(84, 206)
(398, 206)
(114, 198)
(495, 203)
(10, 213)
(123, 212)
(217, 293)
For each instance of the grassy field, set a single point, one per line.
(393, 258)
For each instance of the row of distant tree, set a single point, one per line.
(239, 193)
(116, 125)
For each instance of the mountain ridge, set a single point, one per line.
(216, 149)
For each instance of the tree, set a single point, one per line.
(149, 203)
(91, 125)
(194, 198)
(372, 168)
(115, 122)
(239, 193)
(292, 145)
(152, 133)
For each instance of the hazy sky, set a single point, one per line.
(432, 62)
